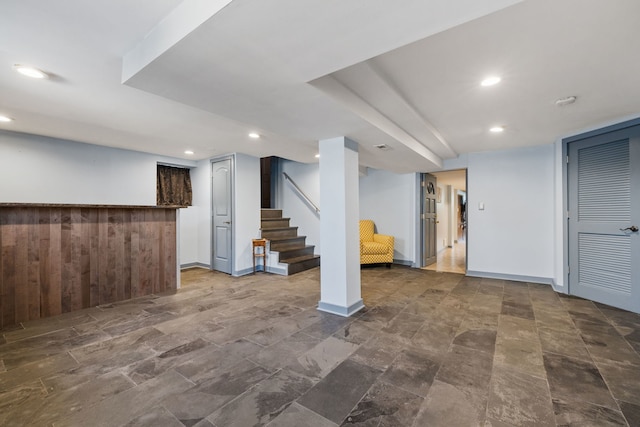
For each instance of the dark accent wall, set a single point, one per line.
(265, 182)
(57, 259)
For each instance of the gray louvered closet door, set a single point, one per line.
(604, 200)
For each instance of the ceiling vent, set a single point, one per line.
(383, 147)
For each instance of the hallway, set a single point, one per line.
(454, 259)
(430, 348)
(451, 260)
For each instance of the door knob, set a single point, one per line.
(633, 229)
(227, 222)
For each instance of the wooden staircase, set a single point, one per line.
(291, 249)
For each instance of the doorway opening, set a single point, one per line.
(451, 222)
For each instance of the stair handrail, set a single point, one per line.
(301, 193)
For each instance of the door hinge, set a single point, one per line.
(568, 269)
(568, 216)
(567, 159)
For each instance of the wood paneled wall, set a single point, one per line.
(58, 259)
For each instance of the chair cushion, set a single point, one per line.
(366, 230)
(372, 248)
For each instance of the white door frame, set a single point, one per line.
(419, 242)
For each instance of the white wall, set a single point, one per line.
(560, 220)
(385, 197)
(201, 182)
(58, 171)
(246, 210)
(514, 234)
(53, 170)
(188, 234)
(246, 220)
(390, 200)
(518, 234)
(307, 177)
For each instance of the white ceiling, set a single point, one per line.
(164, 76)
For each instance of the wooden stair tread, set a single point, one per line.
(284, 238)
(294, 249)
(278, 228)
(299, 259)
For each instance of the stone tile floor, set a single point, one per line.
(430, 349)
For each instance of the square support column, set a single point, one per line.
(340, 291)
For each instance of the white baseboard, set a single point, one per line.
(194, 265)
(514, 277)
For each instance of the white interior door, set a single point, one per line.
(221, 213)
(604, 216)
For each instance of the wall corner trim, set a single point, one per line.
(559, 288)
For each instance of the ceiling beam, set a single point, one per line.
(334, 88)
(185, 18)
(393, 90)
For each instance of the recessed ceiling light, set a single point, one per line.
(490, 81)
(32, 72)
(5, 119)
(497, 129)
(189, 152)
(254, 135)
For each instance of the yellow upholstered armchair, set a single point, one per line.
(374, 248)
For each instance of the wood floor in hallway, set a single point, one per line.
(451, 260)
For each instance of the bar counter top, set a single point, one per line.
(69, 205)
